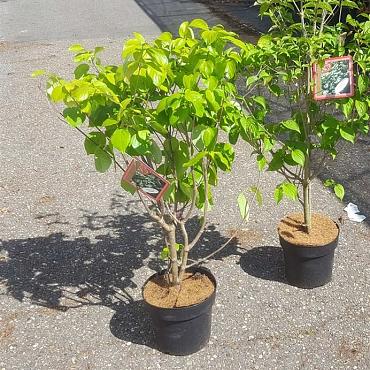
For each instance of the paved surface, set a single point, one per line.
(75, 249)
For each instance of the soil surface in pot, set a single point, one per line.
(323, 230)
(195, 288)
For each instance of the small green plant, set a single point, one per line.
(166, 105)
(281, 63)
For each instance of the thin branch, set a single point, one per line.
(232, 236)
(294, 175)
(194, 194)
(152, 215)
(91, 140)
(205, 209)
(324, 12)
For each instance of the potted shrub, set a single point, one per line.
(293, 63)
(158, 117)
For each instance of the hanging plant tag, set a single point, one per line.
(334, 80)
(139, 176)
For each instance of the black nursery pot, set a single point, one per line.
(308, 267)
(183, 330)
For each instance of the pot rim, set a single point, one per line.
(204, 269)
(310, 246)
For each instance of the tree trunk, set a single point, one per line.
(171, 240)
(307, 195)
(185, 252)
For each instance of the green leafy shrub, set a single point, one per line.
(281, 63)
(166, 104)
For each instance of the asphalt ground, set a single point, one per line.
(75, 249)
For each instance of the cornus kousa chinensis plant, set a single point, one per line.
(165, 105)
(323, 112)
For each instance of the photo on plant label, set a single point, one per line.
(144, 179)
(334, 79)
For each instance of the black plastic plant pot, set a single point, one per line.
(183, 330)
(308, 266)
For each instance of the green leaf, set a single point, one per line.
(98, 49)
(251, 80)
(156, 153)
(158, 128)
(236, 42)
(206, 67)
(329, 183)
(120, 139)
(347, 133)
(258, 194)
(275, 89)
(183, 29)
(261, 161)
(82, 57)
(110, 122)
(278, 194)
(129, 187)
(291, 125)
(264, 42)
(298, 157)
(191, 96)
(210, 96)
(76, 48)
(339, 191)
(157, 76)
(81, 70)
(230, 69)
(243, 206)
(362, 83)
(260, 100)
(124, 103)
(165, 36)
(361, 108)
(74, 116)
(276, 161)
(195, 159)
(39, 72)
(209, 36)
(165, 253)
(199, 23)
(81, 93)
(57, 94)
(189, 81)
(209, 136)
(196, 100)
(349, 4)
(348, 107)
(94, 141)
(102, 160)
(211, 83)
(290, 191)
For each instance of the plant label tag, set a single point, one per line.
(139, 176)
(334, 80)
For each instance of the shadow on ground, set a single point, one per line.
(265, 262)
(352, 170)
(169, 14)
(131, 323)
(63, 273)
